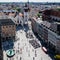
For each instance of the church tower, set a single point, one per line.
(26, 13)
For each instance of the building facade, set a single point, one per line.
(49, 32)
(8, 29)
(34, 25)
(53, 17)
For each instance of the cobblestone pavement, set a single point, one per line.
(24, 50)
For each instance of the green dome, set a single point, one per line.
(10, 52)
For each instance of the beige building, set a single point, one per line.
(7, 29)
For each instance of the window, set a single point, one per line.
(3, 32)
(9, 26)
(26, 16)
(18, 21)
(3, 26)
(6, 34)
(6, 26)
(15, 21)
(13, 28)
(3, 38)
(9, 37)
(6, 38)
(13, 25)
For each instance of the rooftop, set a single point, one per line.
(12, 14)
(47, 24)
(38, 20)
(20, 14)
(6, 22)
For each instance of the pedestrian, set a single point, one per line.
(29, 45)
(33, 58)
(12, 58)
(41, 58)
(28, 54)
(7, 58)
(20, 58)
(33, 50)
(16, 51)
(35, 55)
(25, 44)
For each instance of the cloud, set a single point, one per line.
(30, 0)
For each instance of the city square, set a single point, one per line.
(24, 50)
(30, 30)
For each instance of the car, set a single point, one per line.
(57, 57)
(44, 49)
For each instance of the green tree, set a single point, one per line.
(58, 9)
(38, 14)
(18, 9)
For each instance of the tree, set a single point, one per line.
(38, 14)
(18, 9)
(58, 9)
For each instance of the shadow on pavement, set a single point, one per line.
(7, 45)
(19, 27)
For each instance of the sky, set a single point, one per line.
(30, 0)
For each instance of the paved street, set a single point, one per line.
(24, 50)
(34, 43)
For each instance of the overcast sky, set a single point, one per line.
(30, 0)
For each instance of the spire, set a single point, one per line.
(28, 3)
(26, 7)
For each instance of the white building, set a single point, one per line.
(54, 40)
(49, 32)
(18, 19)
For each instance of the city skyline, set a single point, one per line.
(30, 0)
(29, 30)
